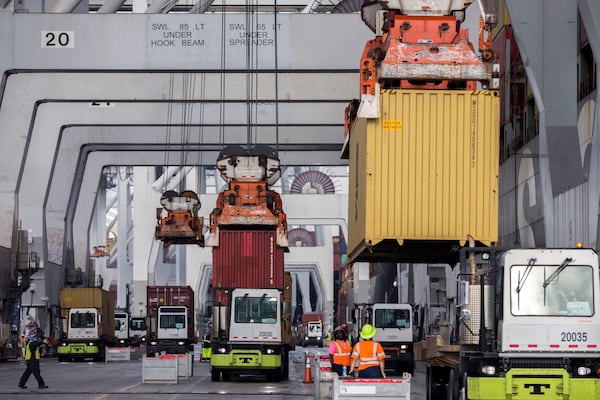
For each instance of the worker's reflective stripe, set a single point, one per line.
(28, 352)
(366, 362)
(342, 356)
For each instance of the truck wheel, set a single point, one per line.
(453, 384)
(405, 367)
(101, 353)
(463, 390)
(428, 383)
(437, 383)
(215, 375)
(274, 376)
(226, 375)
(285, 375)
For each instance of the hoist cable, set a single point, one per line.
(222, 79)
(275, 29)
(248, 38)
(189, 85)
(168, 131)
(201, 120)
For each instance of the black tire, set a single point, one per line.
(62, 359)
(428, 391)
(464, 387)
(405, 367)
(285, 375)
(274, 376)
(215, 375)
(452, 387)
(437, 383)
(101, 352)
(226, 376)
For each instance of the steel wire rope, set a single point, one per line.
(188, 89)
(222, 85)
(276, 61)
(184, 113)
(253, 39)
(201, 123)
(168, 132)
(249, 54)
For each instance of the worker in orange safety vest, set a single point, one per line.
(369, 355)
(339, 352)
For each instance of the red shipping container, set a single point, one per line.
(158, 296)
(248, 259)
(307, 317)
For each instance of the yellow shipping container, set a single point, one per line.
(86, 298)
(423, 176)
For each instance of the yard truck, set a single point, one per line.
(251, 331)
(526, 326)
(171, 315)
(88, 318)
(122, 328)
(394, 326)
(311, 333)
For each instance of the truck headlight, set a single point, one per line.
(318, 337)
(305, 337)
(92, 344)
(180, 343)
(582, 371)
(403, 347)
(488, 370)
(222, 350)
(121, 341)
(270, 351)
(153, 343)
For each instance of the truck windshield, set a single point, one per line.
(552, 290)
(138, 324)
(172, 321)
(120, 325)
(390, 318)
(260, 310)
(314, 328)
(83, 320)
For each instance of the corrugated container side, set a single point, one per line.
(286, 323)
(108, 314)
(90, 298)
(84, 297)
(248, 259)
(427, 170)
(307, 317)
(158, 296)
(168, 296)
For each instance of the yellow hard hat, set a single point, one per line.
(367, 331)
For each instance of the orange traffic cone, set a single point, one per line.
(307, 373)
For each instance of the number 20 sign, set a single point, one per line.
(58, 39)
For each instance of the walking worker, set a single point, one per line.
(206, 348)
(339, 352)
(369, 355)
(32, 358)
